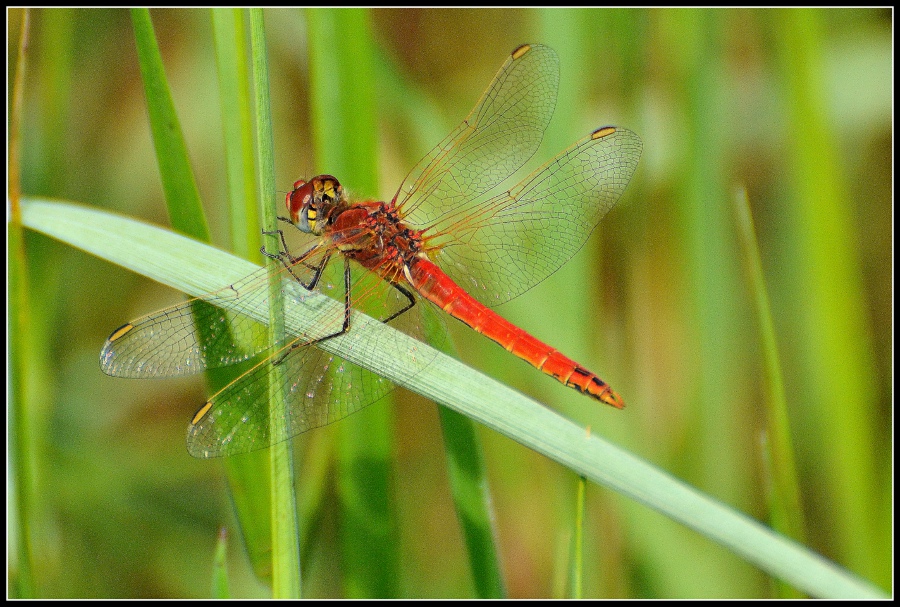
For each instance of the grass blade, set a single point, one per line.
(21, 444)
(576, 555)
(219, 588)
(196, 268)
(248, 477)
(285, 534)
(229, 29)
(182, 197)
(785, 506)
(823, 277)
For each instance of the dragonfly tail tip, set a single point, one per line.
(610, 397)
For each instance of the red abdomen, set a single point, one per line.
(438, 288)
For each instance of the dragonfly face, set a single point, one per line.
(314, 204)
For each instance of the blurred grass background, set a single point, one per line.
(793, 106)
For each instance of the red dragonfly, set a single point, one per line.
(442, 237)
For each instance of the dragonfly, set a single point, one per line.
(445, 241)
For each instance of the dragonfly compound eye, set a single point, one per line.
(298, 202)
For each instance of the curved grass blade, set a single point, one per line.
(197, 268)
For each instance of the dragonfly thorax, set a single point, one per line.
(373, 234)
(313, 205)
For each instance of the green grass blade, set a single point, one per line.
(285, 530)
(576, 557)
(249, 478)
(219, 587)
(342, 97)
(785, 505)
(237, 125)
(182, 196)
(22, 451)
(472, 500)
(823, 275)
(196, 268)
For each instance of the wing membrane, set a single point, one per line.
(501, 133)
(318, 388)
(500, 247)
(217, 329)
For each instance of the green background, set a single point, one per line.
(792, 106)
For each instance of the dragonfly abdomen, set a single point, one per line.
(439, 289)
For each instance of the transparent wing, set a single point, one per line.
(498, 248)
(221, 328)
(317, 387)
(498, 137)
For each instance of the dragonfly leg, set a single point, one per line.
(285, 253)
(289, 261)
(317, 273)
(407, 307)
(347, 308)
(283, 244)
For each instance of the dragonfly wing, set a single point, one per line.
(317, 388)
(504, 245)
(501, 133)
(221, 328)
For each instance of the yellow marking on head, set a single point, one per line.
(201, 413)
(120, 332)
(516, 54)
(603, 132)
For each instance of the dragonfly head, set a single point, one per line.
(311, 203)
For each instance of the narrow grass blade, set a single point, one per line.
(182, 196)
(21, 445)
(220, 567)
(229, 35)
(785, 506)
(248, 479)
(472, 500)
(576, 560)
(285, 533)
